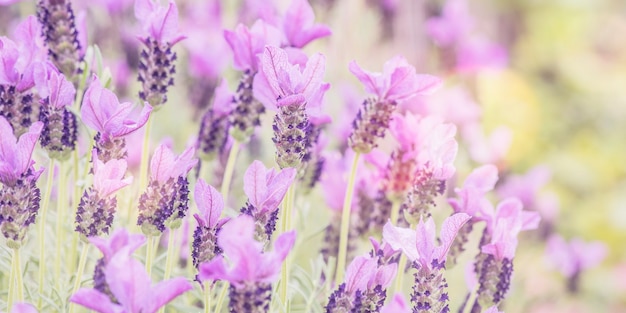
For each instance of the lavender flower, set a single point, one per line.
(60, 130)
(573, 257)
(62, 36)
(299, 25)
(97, 206)
(102, 111)
(265, 190)
(291, 91)
(429, 292)
(165, 202)
(156, 67)
(210, 204)
(19, 195)
(131, 286)
(253, 271)
(397, 83)
(215, 124)
(397, 305)
(120, 241)
(310, 170)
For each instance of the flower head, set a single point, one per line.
(18, 58)
(247, 43)
(210, 204)
(159, 22)
(397, 82)
(299, 24)
(15, 155)
(421, 246)
(165, 165)
(281, 83)
(266, 188)
(53, 85)
(131, 286)
(250, 263)
(109, 177)
(102, 111)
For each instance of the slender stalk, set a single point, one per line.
(145, 151)
(79, 272)
(207, 298)
(220, 299)
(170, 257)
(469, 304)
(285, 226)
(76, 199)
(19, 284)
(11, 283)
(345, 223)
(395, 211)
(42, 229)
(228, 172)
(61, 203)
(149, 254)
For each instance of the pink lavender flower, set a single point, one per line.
(525, 187)
(292, 91)
(247, 45)
(215, 123)
(429, 292)
(102, 111)
(299, 25)
(60, 130)
(252, 270)
(157, 67)
(60, 31)
(97, 206)
(397, 305)
(165, 202)
(210, 204)
(573, 257)
(479, 53)
(23, 308)
(398, 82)
(265, 190)
(131, 286)
(120, 241)
(19, 195)
(454, 23)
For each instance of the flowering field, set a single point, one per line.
(312, 156)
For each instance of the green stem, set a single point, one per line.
(79, 272)
(286, 226)
(400, 276)
(19, 284)
(228, 172)
(207, 298)
(170, 257)
(11, 283)
(345, 223)
(395, 211)
(149, 254)
(42, 229)
(145, 151)
(76, 201)
(61, 203)
(470, 300)
(220, 299)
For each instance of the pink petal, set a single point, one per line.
(383, 276)
(273, 63)
(401, 239)
(213, 270)
(313, 75)
(255, 184)
(25, 146)
(358, 274)
(166, 291)
(162, 163)
(23, 308)
(367, 79)
(94, 300)
(449, 230)
(425, 240)
(240, 43)
(397, 305)
(277, 188)
(298, 18)
(184, 162)
(209, 201)
(263, 92)
(128, 281)
(169, 27)
(130, 125)
(223, 100)
(143, 8)
(483, 178)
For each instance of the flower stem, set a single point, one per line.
(42, 230)
(149, 255)
(19, 284)
(469, 304)
(11, 283)
(79, 272)
(228, 172)
(61, 203)
(395, 211)
(220, 299)
(145, 151)
(170, 257)
(207, 298)
(345, 223)
(286, 226)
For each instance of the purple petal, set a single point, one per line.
(213, 270)
(298, 18)
(240, 42)
(397, 305)
(169, 26)
(401, 239)
(108, 178)
(273, 62)
(313, 75)
(359, 273)
(143, 8)
(209, 201)
(184, 162)
(483, 178)
(367, 79)
(98, 105)
(277, 188)
(94, 300)
(383, 276)
(223, 100)
(263, 92)
(25, 146)
(450, 228)
(131, 125)
(128, 281)
(255, 184)
(166, 291)
(162, 163)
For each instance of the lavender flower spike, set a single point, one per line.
(102, 111)
(97, 206)
(291, 91)
(166, 200)
(215, 123)
(253, 271)
(60, 130)
(131, 286)
(156, 67)
(61, 35)
(210, 204)
(19, 195)
(397, 83)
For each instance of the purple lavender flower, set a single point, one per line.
(210, 204)
(60, 130)
(120, 241)
(573, 257)
(19, 195)
(215, 124)
(97, 206)
(156, 67)
(102, 111)
(291, 91)
(299, 25)
(397, 305)
(397, 83)
(131, 286)
(247, 45)
(253, 270)
(429, 292)
(62, 36)
(165, 202)
(265, 190)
